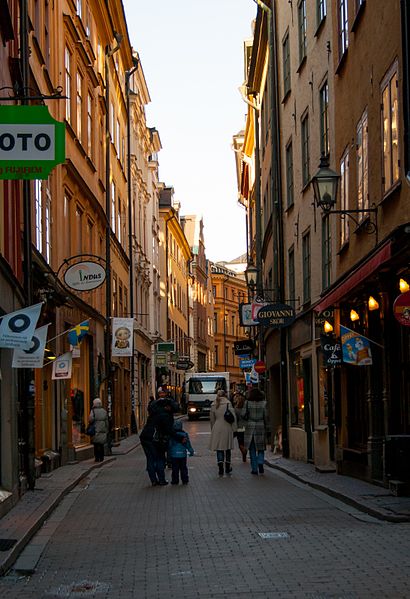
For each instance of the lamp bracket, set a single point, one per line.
(369, 226)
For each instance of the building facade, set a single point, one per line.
(347, 265)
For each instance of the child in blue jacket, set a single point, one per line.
(177, 453)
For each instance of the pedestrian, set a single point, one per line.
(177, 453)
(155, 437)
(222, 431)
(255, 416)
(99, 417)
(238, 403)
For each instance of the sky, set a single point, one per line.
(191, 53)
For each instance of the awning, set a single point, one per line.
(358, 275)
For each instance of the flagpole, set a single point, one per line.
(64, 332)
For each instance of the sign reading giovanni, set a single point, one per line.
(84, 276)
(276, 315)
(32, 143)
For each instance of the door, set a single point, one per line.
(308, 408)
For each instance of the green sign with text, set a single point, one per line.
(32, 143)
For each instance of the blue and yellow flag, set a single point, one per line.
(356, 348)
(76, 334)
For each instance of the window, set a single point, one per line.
(289, 175)
(80, 8)
(79, 103)
(90, 125)
(326, 252)
(48, 224)
(306, 266)
(344, 197)
(119, 217)
(362, 166)
(291, 275)
(90, 235)
(390, 129)
(286, 65)
(67, 61)
(67, 225)
(305, 150)
(302, 29)
(38, 203)
(324, 119)
(321, 10)
(343, 27)
(118, 138)
(79, 229)
(113, 206)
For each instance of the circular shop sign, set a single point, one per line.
(401, 309)
(84, 276)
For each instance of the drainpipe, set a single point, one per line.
(128, 76)
(28, 406)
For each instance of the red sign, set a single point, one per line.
(260, 366)
(401, 309)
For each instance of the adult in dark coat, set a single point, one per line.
(254, 413)
(154, 438)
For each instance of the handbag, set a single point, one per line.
(159, 438)
(90, 430)
(229, 417)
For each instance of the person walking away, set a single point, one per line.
(255, 415)
(238, 403)
(177, 453)
(155, 437)
(99, 417)
(222, 431)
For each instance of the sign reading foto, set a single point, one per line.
(32, 143)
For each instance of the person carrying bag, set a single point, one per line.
(223, 425)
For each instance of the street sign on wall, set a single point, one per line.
(32, 143)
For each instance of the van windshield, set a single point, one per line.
(198, 386)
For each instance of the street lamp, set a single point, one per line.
(251, 275)
(325, 184)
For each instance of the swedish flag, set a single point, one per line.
(76, 334)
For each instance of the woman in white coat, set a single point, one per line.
(222, 431)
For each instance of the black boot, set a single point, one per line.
(221, 468)
(260, 468)
(228, 467)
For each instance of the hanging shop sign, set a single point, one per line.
(276, 315)
(34, 356)
(165, 347)
(62, 367)
(247, 363)
(32, 143)
(356, 348)
(401, 309)
(245, 316)
(84, 276)
(122, 336)
(244, 347)
(17, 328)
(332, 350)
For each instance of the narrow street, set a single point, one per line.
(116, 536)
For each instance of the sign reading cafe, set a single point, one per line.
(32, 143)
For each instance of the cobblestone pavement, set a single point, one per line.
(239, 536)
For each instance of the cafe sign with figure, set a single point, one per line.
(32, 143)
